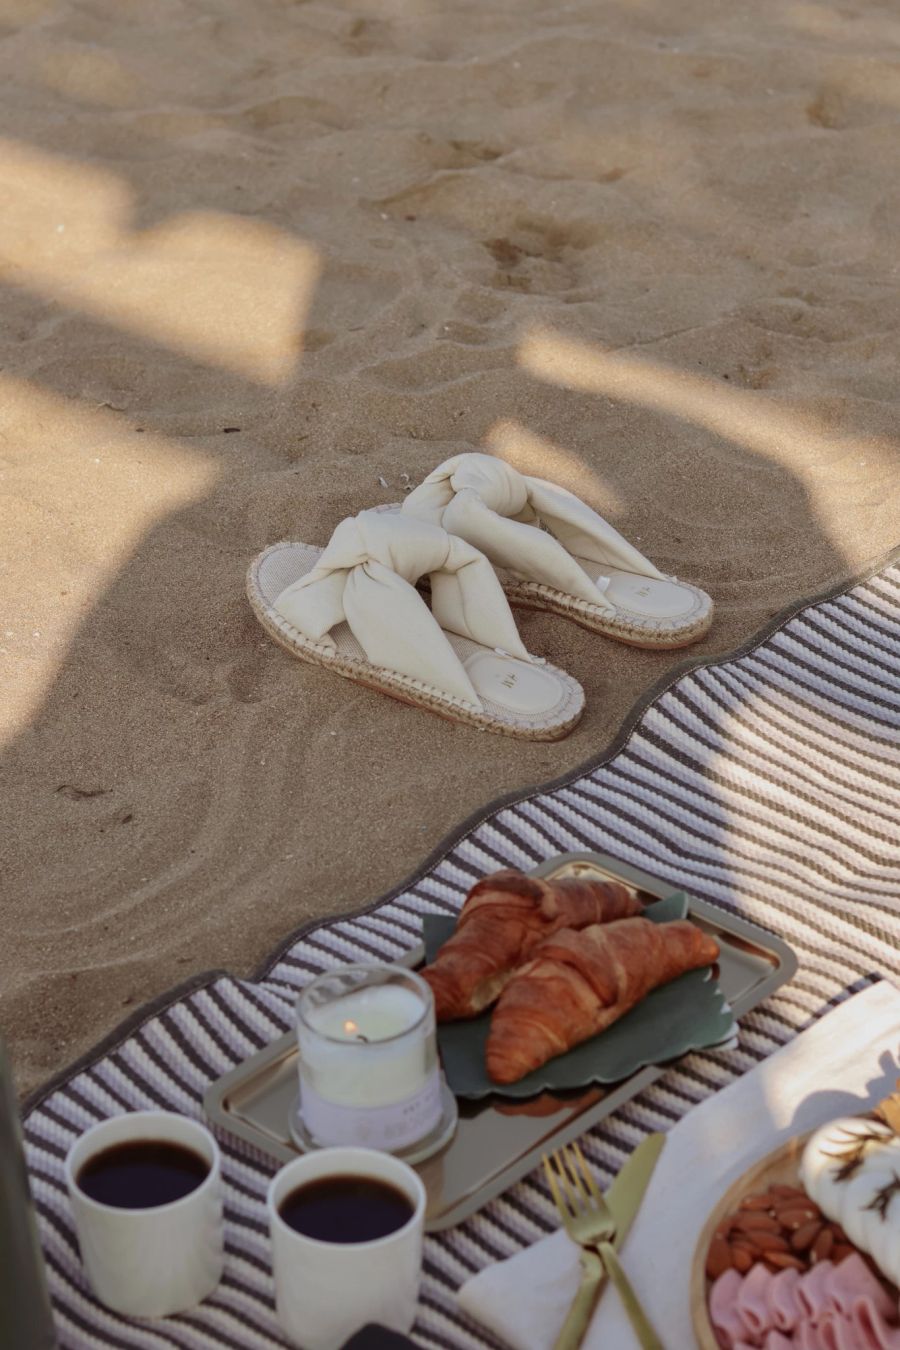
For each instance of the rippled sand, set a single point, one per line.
(258, 262)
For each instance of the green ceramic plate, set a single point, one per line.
(689, 1013)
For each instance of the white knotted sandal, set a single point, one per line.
(553, 552)
(353, 607)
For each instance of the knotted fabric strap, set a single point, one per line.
(494, 507)
(366, 576)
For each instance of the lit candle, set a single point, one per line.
(368, 1058)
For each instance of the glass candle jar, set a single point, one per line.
(369, 1072)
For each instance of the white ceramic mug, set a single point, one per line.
(158, 1261)
(326, 1291)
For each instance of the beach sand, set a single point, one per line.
(258, 262)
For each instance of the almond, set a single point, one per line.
(742, 1258)
(796, 1218)
(770, 1242)
(748, 1241)
(753, 1221)
(756, 1202)
(790, 1192)
(839, 1234)
(806, 1235)
(718, 1258)
(840, 1251)
(772, 1268)
(723, 1229)
(781, 1260)
(821, 1248)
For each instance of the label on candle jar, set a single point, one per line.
(391, 1127)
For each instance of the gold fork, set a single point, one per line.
(588, 1221)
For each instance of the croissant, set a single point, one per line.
(504, 918)
(577, 984)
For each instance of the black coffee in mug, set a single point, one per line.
(142, 1173)
(346, 1208)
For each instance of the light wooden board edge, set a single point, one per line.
(781, 1166)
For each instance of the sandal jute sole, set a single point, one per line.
(280, 565)
(635, 630)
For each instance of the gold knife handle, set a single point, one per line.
(576, 1323)
(640, 1322)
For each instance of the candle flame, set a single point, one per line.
(350, 1028)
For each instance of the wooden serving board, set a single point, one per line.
(780, 1167)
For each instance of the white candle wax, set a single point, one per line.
(375, 1013)
(360, 1065)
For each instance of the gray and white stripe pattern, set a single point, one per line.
(768, 784)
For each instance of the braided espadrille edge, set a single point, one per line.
(634, 630)
(404, 688)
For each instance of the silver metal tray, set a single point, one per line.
(499, 1140)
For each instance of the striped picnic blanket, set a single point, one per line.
(767, 783)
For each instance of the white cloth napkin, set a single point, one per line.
(844, 1064)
